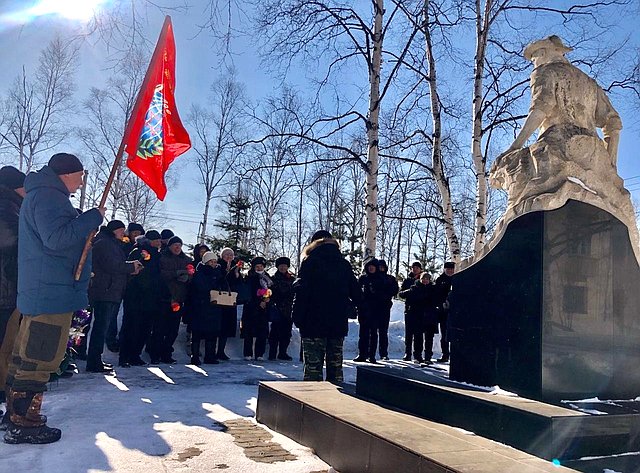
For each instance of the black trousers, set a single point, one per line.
(367, 337)
(279, 337)
(443, 320)
(383, 331)
(258, 350)
(136, 328)
(102, 314)
(164, 334)
(413, 338)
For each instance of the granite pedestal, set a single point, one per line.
(553, 310)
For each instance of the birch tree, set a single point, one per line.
(339, 39)
(36, 109)
(215, 130)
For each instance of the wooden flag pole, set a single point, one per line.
(116, 163)
(103, 202)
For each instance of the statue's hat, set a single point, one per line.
(552, 42)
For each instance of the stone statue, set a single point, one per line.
(569, 160)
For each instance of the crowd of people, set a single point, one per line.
(158, 286)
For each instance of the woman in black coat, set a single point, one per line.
(232, 281)
(205, 317)
(255, 315)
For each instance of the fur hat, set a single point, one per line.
(166, 234)
(114, 225)
(135, 227)
(11, 177)
(153, 235)
(174, 239)
(65, 163)
(283, 260)
(258, 260)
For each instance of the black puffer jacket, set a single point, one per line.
(325, 292)
(10, 203)
(110, 269)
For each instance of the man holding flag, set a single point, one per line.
(51, 233)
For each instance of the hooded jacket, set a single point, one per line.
(10, 203)
(325, 292)
(51, 237)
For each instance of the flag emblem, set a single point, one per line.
(151, 136)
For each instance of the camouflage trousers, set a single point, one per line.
(10, 323)
(316, 351)
(38, 350)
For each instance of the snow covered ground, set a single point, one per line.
(169, 418)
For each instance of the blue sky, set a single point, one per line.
(197, 66)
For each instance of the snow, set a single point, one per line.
(168, 417)
(575, 180)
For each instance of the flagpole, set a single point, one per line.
(116, 163)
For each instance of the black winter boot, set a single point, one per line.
(210, 357)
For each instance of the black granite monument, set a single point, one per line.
(553, 310)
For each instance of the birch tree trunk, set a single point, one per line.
(436, 146)
(479, 160)
(205, 218)
(371, 207)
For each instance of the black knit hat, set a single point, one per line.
(174, 239)
(135, 227)
(382, 263)
(166, 234)
(258, 260)
(113, 225)
(416, 264)
(65, 163)
(11, 177)
(321, 234)
(449, 265)
(283, 260)
(153, 235)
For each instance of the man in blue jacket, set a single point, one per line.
(51, 237)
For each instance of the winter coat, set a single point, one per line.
(282, 297)
(443, 287)
(10, 203)
(374, 297)
(110, 269)
(205, 317)
(255, 319)
(390, 289)
(421, 300)
(146, 291)
(326, 291)
(51, 237)
(173, 269)
(232, 282)
(406, 284)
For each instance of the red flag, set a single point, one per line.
(155, 136)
